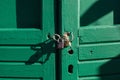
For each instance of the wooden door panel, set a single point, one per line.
(17, 79)
(99, 67)
(97, 34)
(20, 53)
(24, 52)
(20, 36)
(109, 77)
(99, 51)
(21, 70)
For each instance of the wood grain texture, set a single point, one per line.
(18, 59)
(26, 62)
(99, 67)
(108, 77)
(16, 53)
(94, 14)
(19, 53)
(97, 34)
(8, 14)
(18, 79)
(20, 36)
(70, 23)
(99, 51)
(21, 70)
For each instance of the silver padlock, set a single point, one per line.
(64, 40)
(60, 43)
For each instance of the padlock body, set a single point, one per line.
(66, 43)
(60, 44)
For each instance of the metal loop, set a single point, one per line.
(72, 36)
(69, 36)
(56, 37)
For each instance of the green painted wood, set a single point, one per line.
(20, 14)
(22, 29)
(99, 51)
(31, 71)
(21, 70)
(20, 36)
(17, 79)
(109, 77)
(94, 12)
(8, 14)
(99, 67)
(94, 34)
(25, 23)
(70, 22)
(98, 40)
(48, 17)
(20, 53)
(90, 78)
(29, 57)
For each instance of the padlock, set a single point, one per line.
(63, 41)
(66, 40)
(60, 43)
(67, 43)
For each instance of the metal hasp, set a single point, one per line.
(64, 40)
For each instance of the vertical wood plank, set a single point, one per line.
(70, 23)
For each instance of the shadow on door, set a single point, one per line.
(111, 69)
(100, 9)
(29, 13)
(46, 48)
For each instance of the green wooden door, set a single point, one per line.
(27, 54)
(25, 51)
(95, 24)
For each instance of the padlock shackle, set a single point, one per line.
(56, 37)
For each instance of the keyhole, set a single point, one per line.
(70, 68)
(70, 51)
